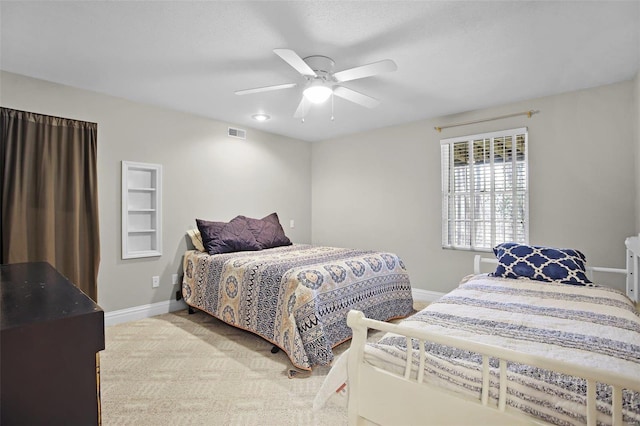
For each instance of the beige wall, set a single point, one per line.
(205, 174)
(375, 190)
(381, 189)
(637, 145)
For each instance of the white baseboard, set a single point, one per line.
(143, 311)
(420, 295)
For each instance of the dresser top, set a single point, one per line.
(35, 292)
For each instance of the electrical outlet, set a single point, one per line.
(155, 281)
(292, 224)
(174, 279)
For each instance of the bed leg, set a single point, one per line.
(191, 310)
(275, 349)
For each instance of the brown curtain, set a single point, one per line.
(49, 201)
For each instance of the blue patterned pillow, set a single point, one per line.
(540, 263)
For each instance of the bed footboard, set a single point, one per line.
(385, 398)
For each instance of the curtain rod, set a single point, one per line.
(527, 113)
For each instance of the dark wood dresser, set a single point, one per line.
(50, 334)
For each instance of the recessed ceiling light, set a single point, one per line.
(261, 117)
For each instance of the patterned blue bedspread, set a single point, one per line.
(297, 297)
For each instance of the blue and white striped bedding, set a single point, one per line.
(592, 326)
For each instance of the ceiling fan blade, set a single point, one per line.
(292, 58)
(366, 70)
(301, 111)
(265, 89)
(355, 97)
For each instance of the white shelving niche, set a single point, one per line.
(141, 210)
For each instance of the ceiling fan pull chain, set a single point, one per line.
(332, 117)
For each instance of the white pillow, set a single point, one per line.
(196, 239)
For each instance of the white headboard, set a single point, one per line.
(633, 251)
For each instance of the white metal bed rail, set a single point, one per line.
(630, 271)
(633, 251)
(360, 324)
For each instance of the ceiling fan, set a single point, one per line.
(321, 81)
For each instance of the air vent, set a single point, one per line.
(237, 133)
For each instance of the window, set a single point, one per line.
(485, 190)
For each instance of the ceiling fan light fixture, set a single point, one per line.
(317, 92)
(322, 83)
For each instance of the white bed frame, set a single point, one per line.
(379, 396)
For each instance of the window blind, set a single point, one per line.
(485, 189)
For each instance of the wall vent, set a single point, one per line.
(237, 133)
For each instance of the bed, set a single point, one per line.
(500, 350)
(297, 296)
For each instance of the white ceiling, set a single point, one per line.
(452, 56)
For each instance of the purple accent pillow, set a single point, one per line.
(267, 231)
(230, 237)
(209, 232)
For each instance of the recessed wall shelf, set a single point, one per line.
(141, 210)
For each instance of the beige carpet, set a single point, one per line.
(180, 369)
